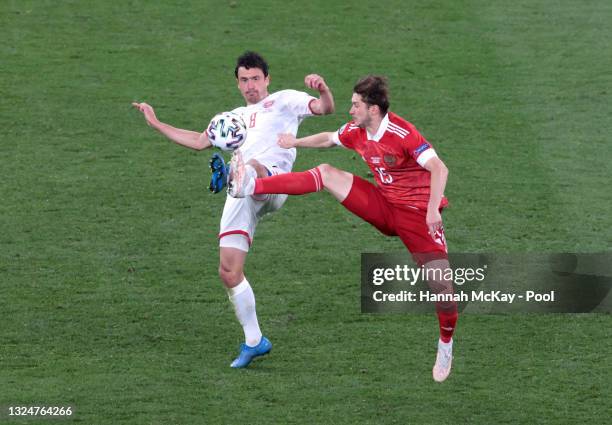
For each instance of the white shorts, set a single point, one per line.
(240, 218)
(241, 215)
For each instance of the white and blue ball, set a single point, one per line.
(227, 131)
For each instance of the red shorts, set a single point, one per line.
(366, 201)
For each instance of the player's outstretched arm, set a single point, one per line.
(439, 175)
(187, 138)
(320, 140)
(325, 103)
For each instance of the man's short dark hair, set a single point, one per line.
(374, 91)
(250, 60)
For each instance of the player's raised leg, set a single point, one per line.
(240, 293)
(335, 181)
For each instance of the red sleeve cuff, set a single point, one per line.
(310, 107)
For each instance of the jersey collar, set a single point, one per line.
(381, 129)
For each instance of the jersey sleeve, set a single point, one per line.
(298, 102)
(343, 136)
(419, 148)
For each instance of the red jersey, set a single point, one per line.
(396, 155)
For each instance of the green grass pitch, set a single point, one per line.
(109, 295)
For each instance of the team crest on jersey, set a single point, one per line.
(268, 103)
(422, 148)
(390, 159)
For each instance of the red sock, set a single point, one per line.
(291, 183)
(447, 318)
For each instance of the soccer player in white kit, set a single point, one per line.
(266, 116)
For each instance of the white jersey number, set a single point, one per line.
(385, 177)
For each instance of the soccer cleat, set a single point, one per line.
(444, 361)
(247, 354)
(219, 173)
(238, 177)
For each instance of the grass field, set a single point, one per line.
(109, 294)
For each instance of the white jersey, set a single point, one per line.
(280, 112)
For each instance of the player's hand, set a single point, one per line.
(286, 140)
(434, 221)
(316, 82)
(147, 111)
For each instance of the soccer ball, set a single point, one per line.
(227, 131)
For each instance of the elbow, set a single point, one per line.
(439, 169)
(196, 146)
(444, 170)
(326, 106)
(202, 143)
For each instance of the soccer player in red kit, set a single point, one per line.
(406, 201)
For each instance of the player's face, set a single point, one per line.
(252, 84)
(360, 111)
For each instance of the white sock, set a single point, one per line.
(243, 299)
(446, 346)
(250, 186)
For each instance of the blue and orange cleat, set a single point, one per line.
(247, 354)
(219, 173)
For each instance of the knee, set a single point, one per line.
(230, 276)
(328, 173)
(335, 180)
(325, 169)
